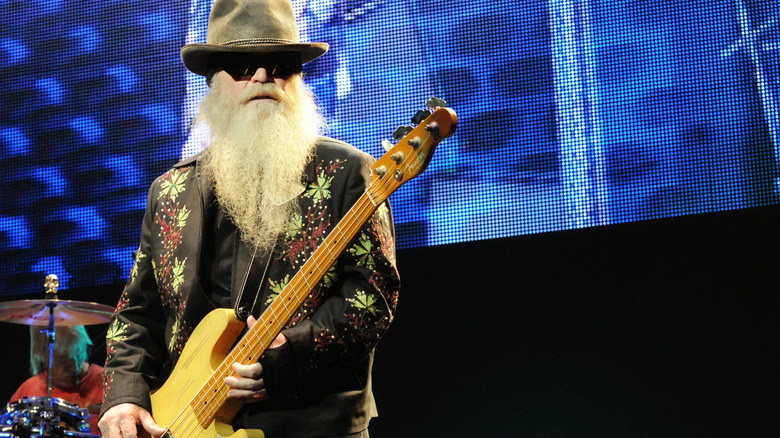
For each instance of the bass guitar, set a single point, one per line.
(193, 401)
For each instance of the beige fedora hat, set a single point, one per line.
(249, 26)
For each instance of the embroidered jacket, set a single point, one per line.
(331, 337)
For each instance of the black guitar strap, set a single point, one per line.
(254, 277)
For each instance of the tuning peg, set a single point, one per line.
(435, 102)
(401, 132)
(386, 145)
(420, 115)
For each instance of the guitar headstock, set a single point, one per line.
(411, 155)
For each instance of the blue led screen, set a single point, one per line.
(571, 114)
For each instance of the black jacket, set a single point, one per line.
(319, 383)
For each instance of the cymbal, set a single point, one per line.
(66, 313)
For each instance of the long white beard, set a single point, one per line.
(256, 158)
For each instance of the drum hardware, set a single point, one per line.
(49, 416)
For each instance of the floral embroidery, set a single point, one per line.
(365, 302)
(108, 378)
(123, 302)
(178, 274)
(295, 226)
(380, 226)
(362, 252)
(169, 272)
(304, 233)
(117, 332)
(306, 238)
(173, 183)
(134, 272)
(320, 189)
(369, 309)
(174, 331)
(324, 339)
(276, 288)
(330, 277)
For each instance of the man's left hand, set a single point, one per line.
(248, 385)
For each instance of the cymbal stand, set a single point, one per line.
(51, 284)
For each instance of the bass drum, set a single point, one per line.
(24, 417)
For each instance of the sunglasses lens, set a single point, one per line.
(278, 64)
(285, 64)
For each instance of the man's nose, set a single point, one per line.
(261, 75)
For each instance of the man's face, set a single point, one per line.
(246, 80)
(263, 130)
(65, 371)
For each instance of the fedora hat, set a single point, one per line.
(249, 26)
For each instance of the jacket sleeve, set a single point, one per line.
(355, 301)
(134, 341)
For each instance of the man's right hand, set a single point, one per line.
(121, 422)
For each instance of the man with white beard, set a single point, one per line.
(230, 227)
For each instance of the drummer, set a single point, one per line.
(74, 379)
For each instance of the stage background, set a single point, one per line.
(594, 253)
(573, 113)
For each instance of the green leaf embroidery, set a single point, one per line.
(277, 288)
(178, 273)
(319, 189)
(364, 301)
(117, 332)
(329, 277)
(174, 329)
(173, 185)
(134, 272)
(295, 226)
(362, 252)
(181, 218)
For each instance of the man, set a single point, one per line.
(74, 379)
(230, 228)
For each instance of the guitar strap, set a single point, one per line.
(251, 285)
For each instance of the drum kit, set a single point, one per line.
(49, 416)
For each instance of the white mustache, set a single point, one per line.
(269, 89)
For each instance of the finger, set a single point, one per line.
(149, 424)
(251, 371)
(109, 430)
(105, 430)
(246, 384)
(251, 321)
(109, 426)
(247, 396)
(278, 341)
(127, 428)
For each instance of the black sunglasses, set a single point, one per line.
(275, 64)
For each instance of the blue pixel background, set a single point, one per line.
(572, 114)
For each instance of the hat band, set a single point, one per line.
(256, 41)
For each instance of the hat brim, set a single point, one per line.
(197, 57)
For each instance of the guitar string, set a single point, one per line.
(353, 221)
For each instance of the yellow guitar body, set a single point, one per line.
(206, 349)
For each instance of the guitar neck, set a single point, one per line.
(289, 300)
(404, 161)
